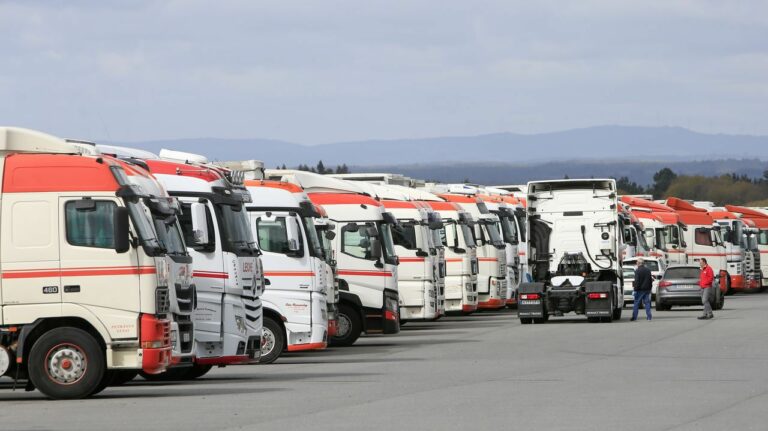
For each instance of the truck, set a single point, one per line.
(575, 243)
(491, 249)
(367, 263)
(733, 232)
(295, 271)
(85, 291)
(227, 270)
(663, 228)
(164, 211)
(760, 219)
(327, 232)
(703, 239)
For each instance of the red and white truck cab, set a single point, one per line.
(84, 293)
(663, 228)
(733, 231)
(760, 220)
(491, 251)
(227, 270)
(702, 238)
(326, 230)
(295, 272)
(367, 264)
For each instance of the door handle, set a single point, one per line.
(72, 289)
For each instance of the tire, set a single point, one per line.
(719, 302)
(660, 306)
(107, 380)
(121, 377)
(272, 341)
(728, 290)
(617, 313)
(348, 319)
(197, 371)
(67, 363)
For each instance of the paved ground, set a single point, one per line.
(472, 373)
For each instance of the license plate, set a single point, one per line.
(530, 302)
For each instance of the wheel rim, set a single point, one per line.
(344, 326)
(66, 364)
(267, 342)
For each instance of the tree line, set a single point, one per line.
(320, 168)
(724, 189)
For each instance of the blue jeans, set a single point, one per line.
(645, 297)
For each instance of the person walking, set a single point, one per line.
(706, 279)
(642, 286)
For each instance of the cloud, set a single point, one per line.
(315, 72)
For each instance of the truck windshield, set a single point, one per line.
(438, 237)
(509, 230)
(672, 235)
(141, 221)
(491, 229)
(313, 237)
(387, 244)
(327, 245)
(405, 235)
(661, 240)
(169, 234)
(236, 233)
(738, 231)
(469, 235)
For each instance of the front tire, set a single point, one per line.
(67, 363)
(272, 341)
(350, 327)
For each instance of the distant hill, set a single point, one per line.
(640, 172)
(650, 144)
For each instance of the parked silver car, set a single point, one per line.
(680, 286)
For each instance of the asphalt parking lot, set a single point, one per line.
(479, 372)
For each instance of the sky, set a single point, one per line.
(312, 71)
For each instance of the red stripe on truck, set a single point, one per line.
(209, 274)
(289, 274)
(365, 273)
(78, 272)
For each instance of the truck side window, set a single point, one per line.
(355, 242)
(272, 235)
(703, 237)
(91, 226)
(185, 220)
(405, 237)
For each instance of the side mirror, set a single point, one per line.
(122, 230)
(293, 234)
(330, 235)
(435, 224)
(199, 223)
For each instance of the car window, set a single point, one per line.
(629, 274)
(682, 273)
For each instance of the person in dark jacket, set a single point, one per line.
(642, 289)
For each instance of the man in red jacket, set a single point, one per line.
(706, 279)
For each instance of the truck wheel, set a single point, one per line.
(197, 371)
(719, 301)
(617, 313)
(272, 341)
(66, 363)
(728, 290)
(121, 377)
(109, 377)
(349, 328)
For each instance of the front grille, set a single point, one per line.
(162, 302)
(185, 297)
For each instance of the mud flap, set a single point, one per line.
(599, 296)
(530, 301)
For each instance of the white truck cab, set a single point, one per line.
(295, 271)
(85, 291)
(575, 232)
(227, 270)
(367, 263)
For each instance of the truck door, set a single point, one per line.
(92, 272)
(30, 254)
